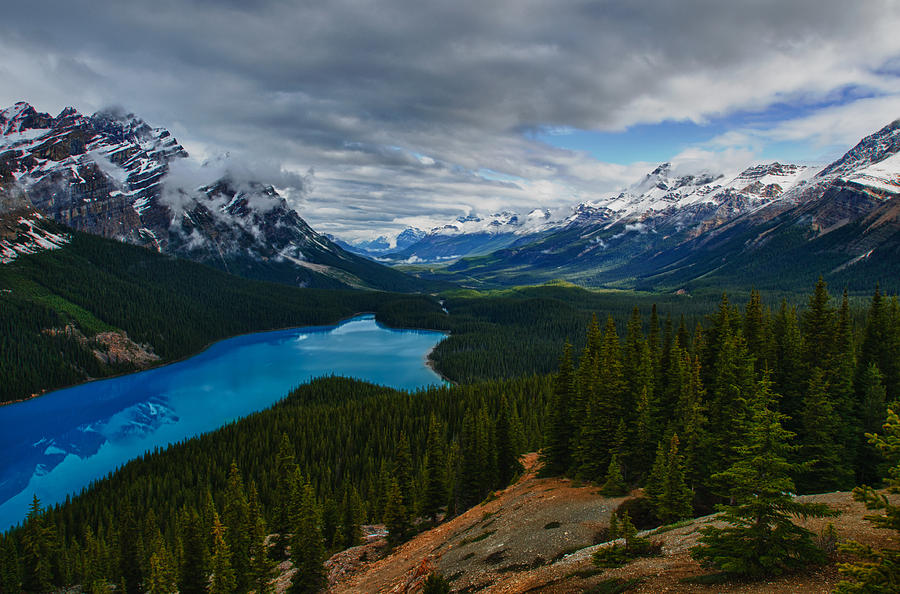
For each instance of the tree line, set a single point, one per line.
(336, 453)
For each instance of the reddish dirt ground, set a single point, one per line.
(538, 536)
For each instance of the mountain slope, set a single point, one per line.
(109, 174)
(774, 225)
(538, 535)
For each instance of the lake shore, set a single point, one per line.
(163, 363)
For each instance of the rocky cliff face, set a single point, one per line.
(96, 174)
(108, 174)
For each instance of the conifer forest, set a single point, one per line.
(703, 409)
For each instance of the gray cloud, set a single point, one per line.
(398, 105)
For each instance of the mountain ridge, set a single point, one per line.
(673, 233)
(109, 174)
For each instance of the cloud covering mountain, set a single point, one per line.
(386, 114)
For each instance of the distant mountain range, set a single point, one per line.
(773, 225)
(108, 174)
(661, 192)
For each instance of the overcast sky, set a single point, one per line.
(376, 115)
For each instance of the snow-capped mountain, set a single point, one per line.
(383, 243)
(470, 235)
(871, 150)
(109, 174)
(693, 198)
(669, 228)
(662, 197)
(496, 223)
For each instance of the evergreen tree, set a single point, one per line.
(285, 475)
(9, 565)
(161, 575)
(193, 568)
(872, 411)
(665, 355)
(614, 485)
(677, 382)
(95, 572)
(236, 516)
(507, 455)
(788, 376)
(603, 412)
(467, 486)
(613, 526)
(403, 471)
(208, 510)
(487, 452)
(818, 328)
(840, 378)
(756, 331)
(307, 549)
(692, 425)
(556, 453)
(880, 345)
(37, 573)
(761, 539)
(637, 367)
(586, 378)
(261, 567)
(435, 492)
(223, 578)
(330, 524)
(683, 336)
(351, 518)
(653, 489)
(877, 570)
(723, 326)
(733, 387)
(654, 346)
(672, 499)
(395, 514)
(819, 445)
(641, 446)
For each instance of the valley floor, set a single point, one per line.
(538, 536)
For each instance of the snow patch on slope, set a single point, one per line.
(882, 175)
(30, 238)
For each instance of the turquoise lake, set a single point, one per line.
(56, 444)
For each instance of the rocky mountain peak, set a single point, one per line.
(662, 170)
(108, 174)
(871, 149)
(68, 112)
(409, 236)
(22, 117)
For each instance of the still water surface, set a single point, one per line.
(54, 445)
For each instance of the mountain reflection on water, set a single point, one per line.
(56, 444)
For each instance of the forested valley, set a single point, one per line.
(173, 306)
(176, 307)
(668, 402)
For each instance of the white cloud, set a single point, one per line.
(828, 132)
(841, 125)
(397, 104)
